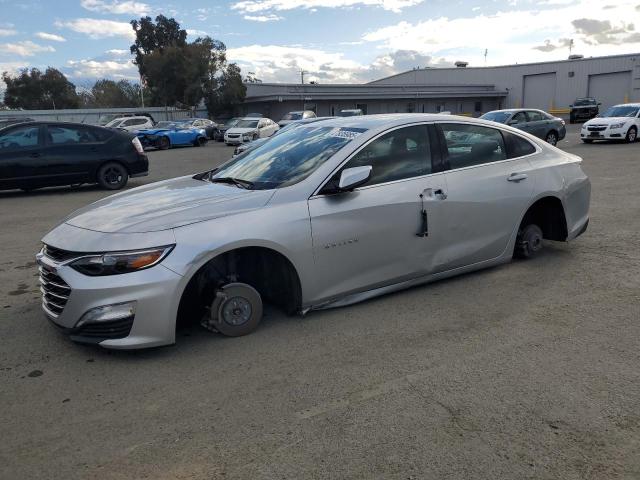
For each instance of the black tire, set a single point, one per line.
(164, 143)
(236, 310)
(529, 242)
(552, 138)
(632, 135)
(200, 142)
(572, 120)
(586, 140)
(255, 137)
(112, 176)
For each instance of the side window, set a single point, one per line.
(519, 117)
(535, 116)
(517, 146)
(467, 145)
(399, 154)
(19, 138)
(140, 121)
(70, 135)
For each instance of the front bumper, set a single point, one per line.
(606, 134)
(152, 290)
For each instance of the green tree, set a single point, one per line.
(229, 91)
(33, 90)
(112, 94)
(177, 72)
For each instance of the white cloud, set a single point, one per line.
(116, 7)
(263, 18)
(118, 52)
(196, 33)
(51, 37)
(7, 32)
(507, 42)
(272, 63)
(90, 68)
(26, 48)
(259, 6)
(96, 28)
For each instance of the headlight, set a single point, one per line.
(120, 262)
(617, 125)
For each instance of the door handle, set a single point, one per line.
(517, 177)
(438, 193)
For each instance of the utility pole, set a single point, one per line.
(570, 46)
(142, 90)
(302, 72)
(486, 51)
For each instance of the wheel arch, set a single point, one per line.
(548, 212)
(263, 265)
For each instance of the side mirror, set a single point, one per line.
(353, 177)
(571, 106)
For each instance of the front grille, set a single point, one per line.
(233, 135)
(596, 128)
(55, 292)
(59, 255)
(106, 330)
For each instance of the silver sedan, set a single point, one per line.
(324, 215)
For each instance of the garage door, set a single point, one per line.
(610, 88)
(540, 91)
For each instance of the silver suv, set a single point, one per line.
(323, 215)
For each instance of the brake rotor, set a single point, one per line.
(236, 310)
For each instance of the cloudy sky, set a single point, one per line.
(334, 40)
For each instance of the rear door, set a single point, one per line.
(489, 190)
(72, 152)
(21, 155)
(377, 235)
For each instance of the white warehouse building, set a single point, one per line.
(466, 90)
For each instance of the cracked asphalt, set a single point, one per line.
(526, 371)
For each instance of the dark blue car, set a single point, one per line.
(170, 134)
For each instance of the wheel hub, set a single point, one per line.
(236, 311)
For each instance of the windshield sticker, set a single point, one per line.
(348, 133)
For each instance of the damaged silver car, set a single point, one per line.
(324, 215)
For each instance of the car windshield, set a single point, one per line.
(247, 124)
(500, 117)
(289, 157)
(292, 116)
(231, 123)
(622, 111)
(583, 102)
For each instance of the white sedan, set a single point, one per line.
(248, 129)
(620, 122)
(131, 124)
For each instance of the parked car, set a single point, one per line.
(221, 129)
(108, 117)
(253, 115)
(204, 123)
(245, 147)
(536, 122)
(352, 112)
(130, 124)
(620, 122)
(321, 216)
(293, 116)
(44, 154)
(6, 121)
(583, 109)
(248, 129)
(172, 134)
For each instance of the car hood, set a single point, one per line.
(607, 120)
(153, 131)
(168, 204)
(241, 130)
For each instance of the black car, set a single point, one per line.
(222, 128)
(583, 109)
(44, 154)
(6, 121)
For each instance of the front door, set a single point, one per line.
(71, 153)
(377, 235)
(20, 155)
(488, 192)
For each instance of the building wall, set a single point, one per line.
(323, 108)
(572, 79)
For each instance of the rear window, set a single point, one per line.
(292, 116)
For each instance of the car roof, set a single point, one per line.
(518, 110)
(391, 119)
(628, 105)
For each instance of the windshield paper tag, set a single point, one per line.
(348, 133)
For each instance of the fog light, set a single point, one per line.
(108, 313)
